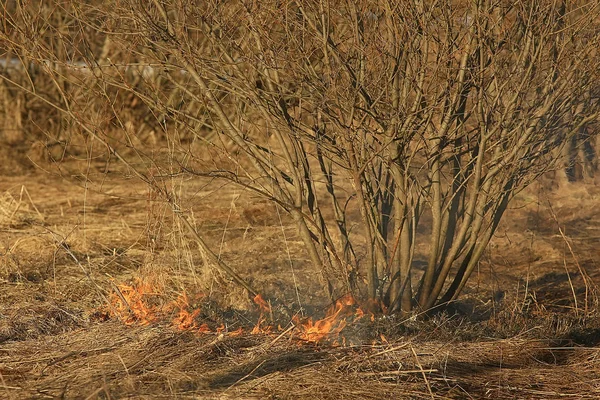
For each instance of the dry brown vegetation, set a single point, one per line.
(517, 333)
(299, 200)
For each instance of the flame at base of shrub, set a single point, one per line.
(138, 304)
(336, 319)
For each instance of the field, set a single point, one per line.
(104, 296)
(299, 200)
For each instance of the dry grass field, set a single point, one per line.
(104, 297)
(299, 200)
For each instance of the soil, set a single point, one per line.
(71, 235)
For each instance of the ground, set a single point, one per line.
(75, 239)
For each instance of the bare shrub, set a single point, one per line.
(394, 134)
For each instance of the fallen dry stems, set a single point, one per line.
(422, 371)
(155, 361)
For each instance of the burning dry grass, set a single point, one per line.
(142, 303)
(167, 337)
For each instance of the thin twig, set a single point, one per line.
(6, 388)
(423, 371)
(243, 378)
(282, 334)
(582, 272)
(400, 372)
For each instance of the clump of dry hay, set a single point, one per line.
(26, 314)
(17, 212)
(29, 258)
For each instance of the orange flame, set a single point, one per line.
(262, 304)
(334, 322)
(204, 328)
(265, 308)
(131, 303)
(261, 327)
(237, 332)
(184, 320)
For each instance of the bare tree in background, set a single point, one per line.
(426, 116)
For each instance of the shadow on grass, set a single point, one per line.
(258, 368)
